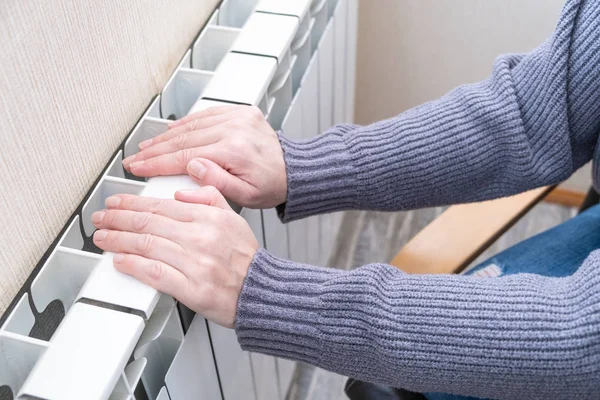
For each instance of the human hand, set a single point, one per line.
(194, 248)
(232, 148)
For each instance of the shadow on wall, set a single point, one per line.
(411, 52)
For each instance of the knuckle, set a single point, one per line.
(181, 141)
(182, 157)
(255, 113)
(211, 111)
(145, 243)
(135, 203)
(157, 205)
(156, 270)
(141, 221)
(212, 229)
(192, 125)
(238, 143)
(237, 124)
(156, 139)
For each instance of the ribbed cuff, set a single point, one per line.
(321, 176)
(279, 308)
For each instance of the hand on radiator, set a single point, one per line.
(194, 248)
(232, 148)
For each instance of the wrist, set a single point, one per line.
(279, 306)
(320, 174)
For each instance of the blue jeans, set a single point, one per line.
(556, 252)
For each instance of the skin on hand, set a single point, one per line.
(232, 148)
(194, 248)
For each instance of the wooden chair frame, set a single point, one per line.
(458, 236)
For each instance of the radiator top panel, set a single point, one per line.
(110, 336)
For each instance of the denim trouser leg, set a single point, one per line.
(556, 252)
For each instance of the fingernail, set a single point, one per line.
(118, 258)
(196, 168)
(136, 164)
(113, 202)
(145, 143)
(97, 217)
(128, 159)
(100, 235)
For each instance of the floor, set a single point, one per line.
(367, 237)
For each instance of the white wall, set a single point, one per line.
(413, 51)
(75, 77)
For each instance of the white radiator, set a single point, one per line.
(120, 339)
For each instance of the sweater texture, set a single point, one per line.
(534, 122)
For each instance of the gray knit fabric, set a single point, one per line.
(533, 123)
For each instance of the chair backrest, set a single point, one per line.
(458, 236)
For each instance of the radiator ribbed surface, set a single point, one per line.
(75, 77)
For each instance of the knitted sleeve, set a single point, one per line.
(515, 337)
(532, 123)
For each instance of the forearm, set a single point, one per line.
(469, 145)
(521, 336)
(532, 123)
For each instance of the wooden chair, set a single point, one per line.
(460, 234)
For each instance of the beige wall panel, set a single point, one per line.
(410, 51)
(74, 78)
(413, 51)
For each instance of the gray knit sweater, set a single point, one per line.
(533, 122)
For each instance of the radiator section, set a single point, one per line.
(111, 336)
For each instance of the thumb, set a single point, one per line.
(209, 173)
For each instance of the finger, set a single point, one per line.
(157, 274)
(191, 126)
(177, 210)
(182, 141)
(175, 163)
(138, 222)
(208, 112)
(145, 245)
(208, 173)
(167, 208)
(207, 195)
